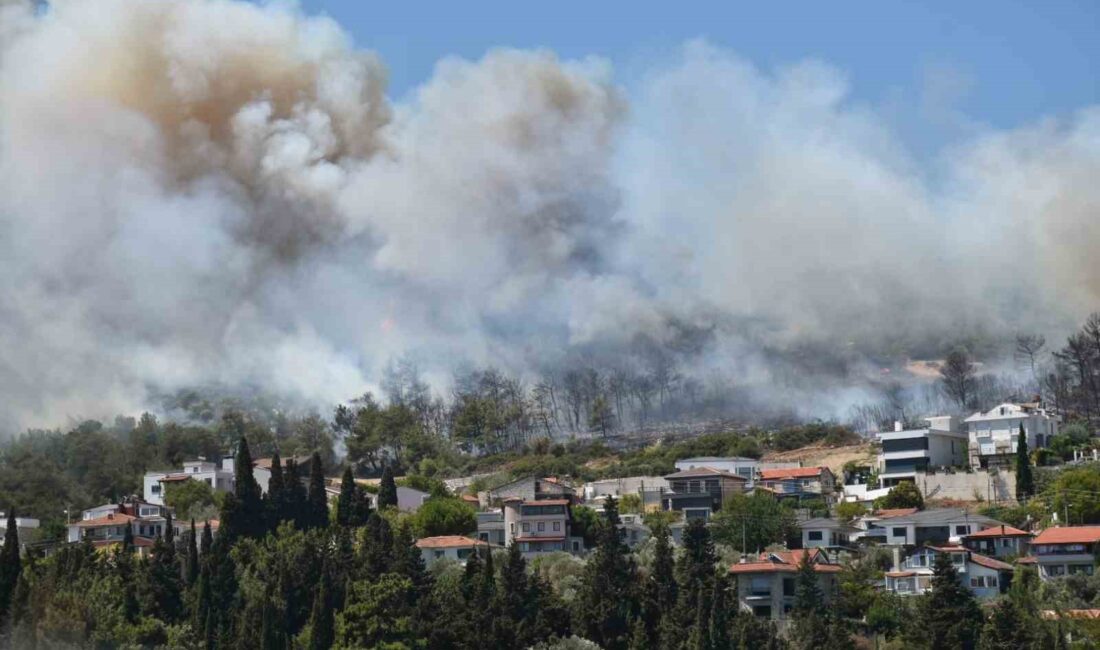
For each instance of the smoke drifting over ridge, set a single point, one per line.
(210, 191)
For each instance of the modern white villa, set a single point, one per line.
(908, 452)
(993, 435)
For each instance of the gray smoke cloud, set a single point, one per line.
(206, 191)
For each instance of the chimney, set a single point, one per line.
(897, 426)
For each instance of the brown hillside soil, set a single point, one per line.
(832, 457)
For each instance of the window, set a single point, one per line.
(557, 526)
(788, 586)
(962, 530)
(814, 535)
(958, 558)
(526, 527)
(155, 488)
(483, 536)
(524, 546)
(1056, 570)
(464, 553)
(760, 587)
(542, 526)
(439, 553)
(898, 531)
(991, 581)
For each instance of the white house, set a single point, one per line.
(105, 526)
(993, 435)
(617, 487)
(1065, 550)
(829, 535)
(908, 452)
(939, 526)
(408, 499)
(984, 576)
(447, 547)
(26, 527)
(219, 477)
(540, 526)
(766, 583)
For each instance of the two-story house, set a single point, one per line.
(829, 535)
(528, 488)
(1065, 550)
(765, 583)
(105, 526)
(798, 482)
(541, 526)
(938, 526)
(908, 452)
(490, 526)
(701, 491)
(993, 435)
(219, 476)
(999, 541)
(448, 547)
(986, 577)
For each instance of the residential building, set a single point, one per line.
(999, 541)
(219, 476)
(634, 532)
(261, 469)
(447, 547)
(746, 468)
(993, 435)
(617, 487)
(180, 528)
(766, 582)
(829, 535)
(939, 526)
(701, 491)
(909, 452)
(540, 526)
(105, 526)
(1065, 550)
(408, 499)
(26, 527)
(986, 577)
(873, 526)
(798, 482)
(528, 488)
(490, 526)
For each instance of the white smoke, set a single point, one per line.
(196, 191)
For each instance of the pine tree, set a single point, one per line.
(10, 565)
(124, 569)
(719, 614)
(387, 489)
(192, 556)
(664, 569)
(318, 499)
(1025, 481)
(694, 577)
(1008, 629)
(810, 629)
(376, 547)
(321, 622)
(512, 602)
(950, 617)
(162, 595)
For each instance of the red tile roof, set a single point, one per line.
(108, 520)
(794, 472)
(783, 561)
(448, 541)
(469, 498)
(989, 563)
(887, 513)
(999, 531)
(1069, 535)
(1050, 614)
(172, 478)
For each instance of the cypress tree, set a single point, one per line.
(719, 615)
(192, 556)
(352, 506)
(276, 487)
(387, 489)
(243, 510)
(295, 497)
(606, 600)
(321, 622)
(512, 602)
(1025, 481)
(162, 591)
(124, 569)
(950, 617)
(318, 499)
(10, 565)
(128, 540)
(376, 548)
(664, 567)
(811, 625)
(207, 538)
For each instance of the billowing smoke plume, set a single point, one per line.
(197, 191)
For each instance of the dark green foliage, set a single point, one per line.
(1025, 481)
(387, 489)
(318, 501)
(903, 495)
(275, 499)
(352, 506)
(10, 565)
(753, 522)
(321, 623)
(243, 513)
(161, 592)
(606, 601)
(949, 616)
(192, 556)
(444, 516)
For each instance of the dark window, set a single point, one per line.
(905, 444)
(788, 586)
(898, 532)
(814, 535)
(961, 530)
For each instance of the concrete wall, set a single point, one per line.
(963, 486)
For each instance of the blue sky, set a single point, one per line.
(1000, 64)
